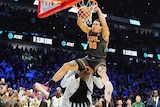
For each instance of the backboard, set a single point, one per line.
(46, 9)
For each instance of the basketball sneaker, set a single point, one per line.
(44, 89)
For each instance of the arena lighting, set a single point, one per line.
(150, 55)
(119, 19)
(42, 40)
(134, 22)
(158, 56)
(74, 10)
(48, 41)
(25, 33)
(131, 59)
(35, 2)
(54, 37)
(1, 31)
(129, 52)
(107, 49)
(115, 63)
(34, 34)
(146, 55)
(63, 43)
(16, 36)
(84, 45)
(10, 35)
(70, 44)
(112, 50)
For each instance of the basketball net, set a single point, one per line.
(86, 14)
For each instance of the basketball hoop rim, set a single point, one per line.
(93, 1)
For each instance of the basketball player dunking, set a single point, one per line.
(98, 39)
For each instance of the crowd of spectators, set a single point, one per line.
(38, 66)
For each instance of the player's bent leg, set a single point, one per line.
(108, 85)
(72, 65)
(43, 89)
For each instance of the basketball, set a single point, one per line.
(84, 12)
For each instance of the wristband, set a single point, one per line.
(76, 76)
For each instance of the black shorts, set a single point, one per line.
(94, 63)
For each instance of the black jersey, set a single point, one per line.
(96, 45)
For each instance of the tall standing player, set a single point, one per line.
(98, 39)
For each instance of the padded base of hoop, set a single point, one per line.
(60, 7)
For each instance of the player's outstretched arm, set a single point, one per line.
(105, 28)
(84, 27)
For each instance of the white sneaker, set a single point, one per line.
(43, 89)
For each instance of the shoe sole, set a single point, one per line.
(43, 89)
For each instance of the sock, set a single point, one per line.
(76, 76)
(51, 83)
(108, 89)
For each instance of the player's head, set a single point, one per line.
(96, 26)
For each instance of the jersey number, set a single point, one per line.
(93, 42)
